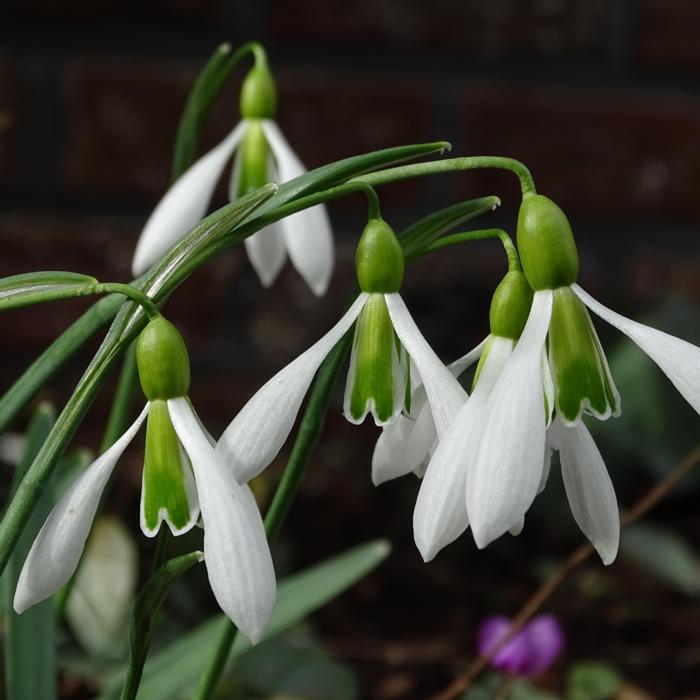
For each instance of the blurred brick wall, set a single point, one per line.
(600, 98)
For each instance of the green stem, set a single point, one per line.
(404, 172)
(123, 400)
(304, 444)
(478, 235)
(203, 95)
(128, 291)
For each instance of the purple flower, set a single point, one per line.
(532, 650)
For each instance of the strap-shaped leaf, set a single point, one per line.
(173, 672)
(146, 609)
(37, 287)
(30, 672)
(426, 230)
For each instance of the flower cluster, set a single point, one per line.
(482, 455)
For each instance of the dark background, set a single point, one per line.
(600, 99)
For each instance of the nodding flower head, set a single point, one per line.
(183, 477)
(260, 155)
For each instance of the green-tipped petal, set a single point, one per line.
(580, 371)
(376, 380)
(168, 492)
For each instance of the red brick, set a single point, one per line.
(11, 165)
(484, 29)
(101, 247)
(162, 10)
(667, 33)
(121, 121)
(593, 152)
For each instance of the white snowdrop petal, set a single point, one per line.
(505, 466)
(445, 395)
(307, 233)
(236, 552)
(57, 548)
(440, 515)
(184, 204)
(463, 363)
(589, 490)
(257, 433)
(677, 359)
(266, 253)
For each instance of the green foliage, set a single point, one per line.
(146, 609)
(36, 287)
(30, 638)
(172, 672)
(665, 554)
(592, 680)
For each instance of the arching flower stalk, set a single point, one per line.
(183, 476)
(261, 154)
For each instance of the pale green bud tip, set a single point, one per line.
(162, 360)
(546, 244)
(259, 94)
(379, 261)
(510, 306)
(254, 153)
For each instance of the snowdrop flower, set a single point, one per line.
(407, 444)
(440, 514)
(531, 651)
(385, 339)
(507, 465)
(587, 483)
(261, 154)
(182, 477)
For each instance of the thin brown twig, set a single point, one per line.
(570, 564)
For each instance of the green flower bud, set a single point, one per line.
(510, 306)
(580, 370)
(375, 380)
(253, 157)
(546, 244)
(162, 361)
(259, 93)
(379, 261)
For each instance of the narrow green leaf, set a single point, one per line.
(665, 554)
(200, 100)
(426, 230)
(173, 672)
(37, 287)
(592, 680)
(146, 609)
(29, 638)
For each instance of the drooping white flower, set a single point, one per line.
(183, 476)
(386, 340)
(506, 470)
(406, 444)
(261, 154)
(456, 472)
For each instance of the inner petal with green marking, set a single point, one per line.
(168, 492)
(580, 371)
(376, 381)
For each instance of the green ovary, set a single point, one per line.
(580, 371)
(374, 366)
(163, 478)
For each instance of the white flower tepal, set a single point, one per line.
(261, 154)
